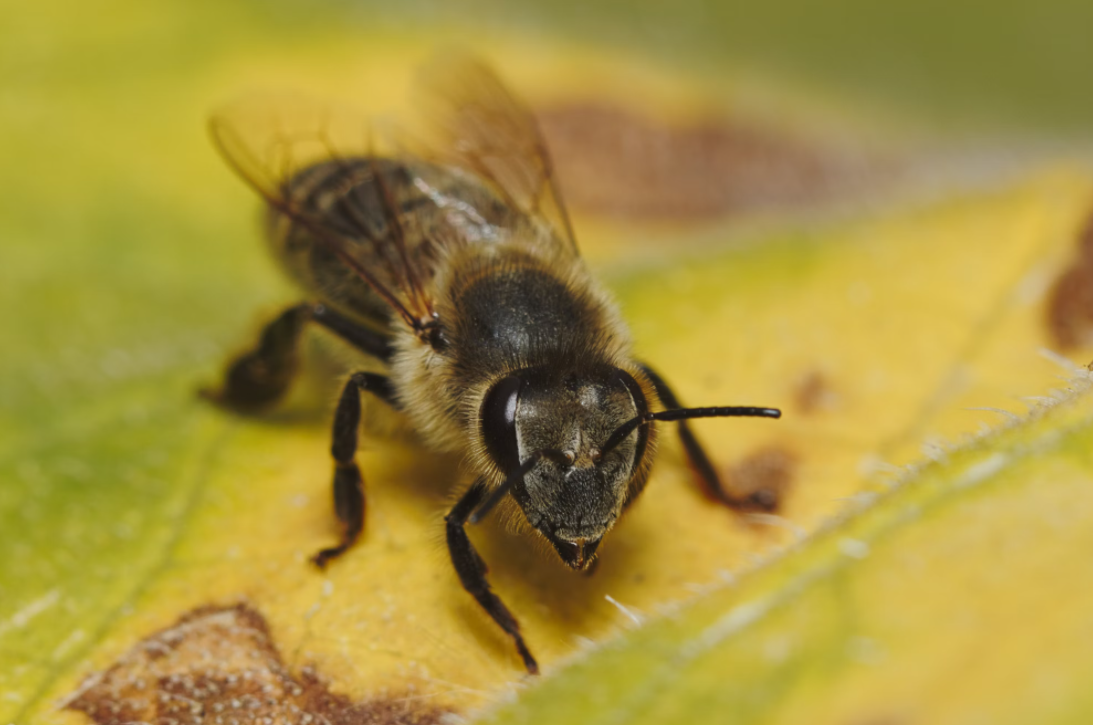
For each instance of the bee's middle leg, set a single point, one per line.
(348, 483)
(761, 500)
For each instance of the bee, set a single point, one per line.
(456, 267)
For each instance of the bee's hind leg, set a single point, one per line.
(472, 570)
(762, 500)
(348, 483)
(260, 377)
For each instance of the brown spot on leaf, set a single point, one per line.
(617, 162)
(219, 666)
(1070, 306)
(814, 393)
(764, 477)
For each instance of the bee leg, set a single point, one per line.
(348, 483)
(472, 570)
(259, 378)
(761, 500)
(364, 339)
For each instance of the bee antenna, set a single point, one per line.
(685, 414)
(501, 491)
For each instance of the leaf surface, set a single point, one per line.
(132, 267)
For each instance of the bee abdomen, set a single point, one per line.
(386, 214)
(350, 209)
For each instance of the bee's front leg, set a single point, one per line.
(348, 483)
(472, 570)
(762, 500)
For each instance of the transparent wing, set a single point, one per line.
(286, 145)
(475, 123)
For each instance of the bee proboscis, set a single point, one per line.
(457, 268)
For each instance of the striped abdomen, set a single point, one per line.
(369, 207)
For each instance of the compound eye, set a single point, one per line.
(499, 422)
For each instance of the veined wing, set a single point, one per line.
(278, 142)
(482, 128)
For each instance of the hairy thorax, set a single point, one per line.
(501, 310)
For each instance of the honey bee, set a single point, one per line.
(457, 268)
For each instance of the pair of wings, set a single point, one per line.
(473, 124)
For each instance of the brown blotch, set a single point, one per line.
(616, 162)
(764, 476)
(814, 393)
(219, 666)
(1070, 306)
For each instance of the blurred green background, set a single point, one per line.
(1018, 65)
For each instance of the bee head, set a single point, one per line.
(559, 439)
